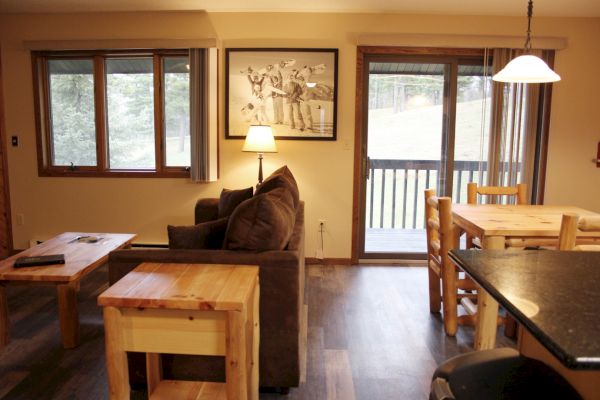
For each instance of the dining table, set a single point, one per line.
(501, 226)
(554, 297)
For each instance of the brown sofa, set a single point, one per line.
(281, 301)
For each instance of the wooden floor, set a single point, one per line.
(370, 336)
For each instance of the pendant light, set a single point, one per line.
(527, 68)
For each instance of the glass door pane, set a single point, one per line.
(406, 114)
(473, 104)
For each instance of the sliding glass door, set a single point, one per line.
(424, 126)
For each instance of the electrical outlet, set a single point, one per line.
(319, 254)
(20, 219)
(322, 225)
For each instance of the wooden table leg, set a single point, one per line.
(487, 307)
(116, 357)
(68, 314)
(4, 322)
(235, 355)
(153, 371)
(253, 340)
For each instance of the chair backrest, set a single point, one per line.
(569, 227)
(519, 191)
(438, 223)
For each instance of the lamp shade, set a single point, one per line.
(260, 140)
(526, 69)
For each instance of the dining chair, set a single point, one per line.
(441, 238)
(519, 192)
(570, 225)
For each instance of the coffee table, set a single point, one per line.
(80, 260)
(203, 309)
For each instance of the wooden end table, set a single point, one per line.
(202, 309)
(80, 260)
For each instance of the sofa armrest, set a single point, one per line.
(206, 210)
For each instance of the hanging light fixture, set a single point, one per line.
(527, 68)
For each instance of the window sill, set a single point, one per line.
(64, 173)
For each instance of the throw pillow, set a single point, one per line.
(264, 222)
(230, 199)
(281, 178)
(207, 235)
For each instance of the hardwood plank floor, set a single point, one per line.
(370, 336)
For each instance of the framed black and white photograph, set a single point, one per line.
(292, 90)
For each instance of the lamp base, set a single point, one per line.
(260, 173)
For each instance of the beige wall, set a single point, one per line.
(324, 169)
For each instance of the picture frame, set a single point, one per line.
(294, 90)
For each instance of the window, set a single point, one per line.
(122, 113)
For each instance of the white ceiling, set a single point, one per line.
(556, 8)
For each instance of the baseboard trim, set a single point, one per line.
(394, 261)
(327, 261)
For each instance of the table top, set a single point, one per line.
(80, 258)
(553, 294)
(184, 287)
(515, 220)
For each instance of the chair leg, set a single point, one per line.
(449, 299)
(435, 299)
(510, 326)
(469, 241)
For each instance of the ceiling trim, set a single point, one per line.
(102, 44)
(463, 41)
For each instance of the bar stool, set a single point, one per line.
(498, 374)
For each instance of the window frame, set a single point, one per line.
(43, 114)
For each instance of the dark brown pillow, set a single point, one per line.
(281, 178)
(230, 199)
(264, 222)
(207, 235)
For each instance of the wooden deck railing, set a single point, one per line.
(395, 189)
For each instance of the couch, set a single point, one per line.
(281, 274)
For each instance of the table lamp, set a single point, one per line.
(260, 140)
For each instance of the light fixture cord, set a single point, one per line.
(529, 15)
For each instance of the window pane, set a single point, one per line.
(72, 112)
(130, 108)
(177, 111)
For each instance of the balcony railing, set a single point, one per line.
(395, 189)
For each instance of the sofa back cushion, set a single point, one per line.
(207, 235)
(281, 178)
(264, 222)
(230, 199)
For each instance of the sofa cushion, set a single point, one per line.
(230, 199)
(264, 222)
(207, 235)
(281, 178)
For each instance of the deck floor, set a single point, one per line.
(382, 240)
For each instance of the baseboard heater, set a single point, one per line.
(150, 245)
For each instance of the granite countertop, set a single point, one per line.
(554, 294)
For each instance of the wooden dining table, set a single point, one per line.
(500, 226)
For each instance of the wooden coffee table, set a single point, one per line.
(203, 309)
(80, 260)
